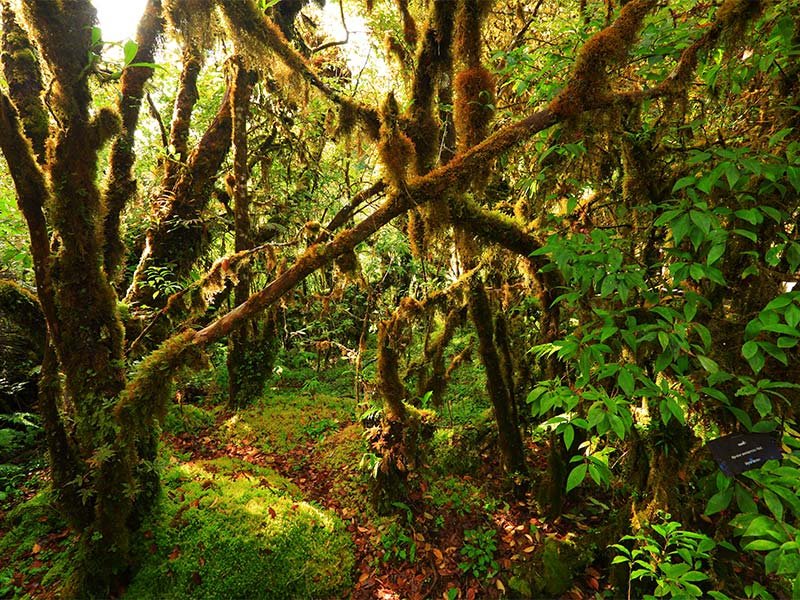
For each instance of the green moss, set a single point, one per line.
(284, 420)
(19, 304)
(187, 418)
(552, 569)
(456, 494)
(340, 454)
(220, 536)
(29, 524)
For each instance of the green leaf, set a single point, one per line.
(617, 426)
(778, 136)
(663, 361)
(689, 310)
(774, 351)
(762, 404)
(759, 527)
(577, 476)
(683, 182)
(746, 233)
(715, 253)
(751, 215)
(757, 362)
(680, 228)
(701, 219)
(773, 503)
(792, 315)
(595, 474)
(744, 500)
(697, 271)
(569, 436)
(626, 382)
(129, 51)
(719, 501)
(780, 302)
(676, 410)
(708, 364)
(704, 333)
(762, 545)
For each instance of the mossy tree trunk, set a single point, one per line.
(251, 348)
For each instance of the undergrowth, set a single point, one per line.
(227, 532)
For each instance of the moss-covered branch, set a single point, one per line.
(120, 184)
(179, 237)
(32, 192)
(23, 74)
(185, 101)
(255, 31)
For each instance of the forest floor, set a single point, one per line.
(301, 450)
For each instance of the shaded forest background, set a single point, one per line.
(547, 249)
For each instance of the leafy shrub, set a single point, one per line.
(398, 543)
(478, 551)
(670, 558)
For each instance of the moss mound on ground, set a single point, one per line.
(229, 533)
(284, 420)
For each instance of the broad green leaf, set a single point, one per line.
(773, 503)
(617, 426)
(762, 404)
(701, 219)
(780, 302)
(744, 500)
(576, 476)
(719, 501)
(715, 253)
(792, 315)
(745, 233)
(708, 364)
(569, 436)
(759, 527)
(129, 51)
(762, 545)
(756, 362)
(683, 182)
(626, 382)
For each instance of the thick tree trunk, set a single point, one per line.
(509, 439)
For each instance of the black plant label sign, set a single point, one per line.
(741, 452)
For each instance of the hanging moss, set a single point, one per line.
(249, 369)
(417, 234)
(474, 105)
(395, 50)
(146, 395)
(409, 25)
(467, 36)
(192, 20)
(394, 147)
(348, 264)
(588, 85)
